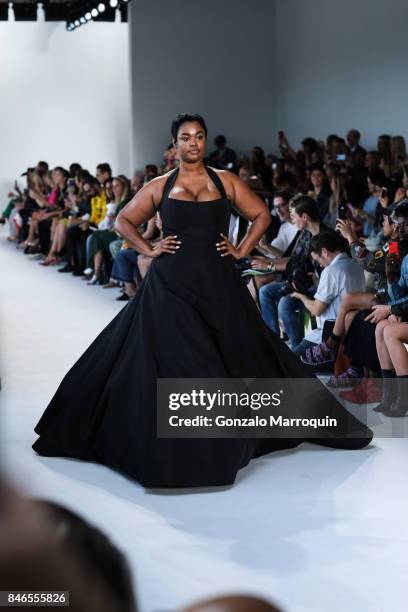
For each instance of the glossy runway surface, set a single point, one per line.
(313, 529)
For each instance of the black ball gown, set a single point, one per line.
(192, 317)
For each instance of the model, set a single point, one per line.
(192, 317)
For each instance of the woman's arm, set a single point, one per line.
(250, 206)
(141, 208)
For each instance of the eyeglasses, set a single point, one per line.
(279, 206)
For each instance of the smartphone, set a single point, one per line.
(384, 192)
(343, 212)
(393, 248)
(341, 157)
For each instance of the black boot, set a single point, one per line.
(399, 406)
(389, 391)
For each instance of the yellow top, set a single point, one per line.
(98, 208)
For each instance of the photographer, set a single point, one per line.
(275, 300)
(341, 274)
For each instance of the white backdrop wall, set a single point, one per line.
(213, 58)
(64, 97)
(342, 65)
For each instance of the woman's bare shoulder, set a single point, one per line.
(228, 179)
(156, 186)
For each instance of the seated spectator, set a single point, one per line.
(339, 206)
(287, 229)
(127, 265)
(169, 159)
(341, 274)
(274, 298)
(79, 231)
(357, 153)
(222, 157)
(72, 207)
(259, 168)
(373, 262)
(393, 357)
(103, 173)
(372, 208)
(101, 238)
(320, 190)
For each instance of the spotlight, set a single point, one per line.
(105, 13)
(94, 12)
(82, 20)
(114, 3)
(77, 23)
(88, 16)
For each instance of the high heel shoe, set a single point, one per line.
(52, 261)
(94, 280)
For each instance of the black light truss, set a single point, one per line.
(25, 11)
(4, 11)
(74, 12)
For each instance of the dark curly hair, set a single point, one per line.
(184, 118)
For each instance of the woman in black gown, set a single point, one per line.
(192, 317)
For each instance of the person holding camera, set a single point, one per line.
(341, 275)
(275, 298)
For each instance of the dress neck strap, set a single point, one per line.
(217, 181)
(213, 176)
(169, 183)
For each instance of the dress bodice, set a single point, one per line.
(195, 223)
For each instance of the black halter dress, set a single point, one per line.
(192, 317)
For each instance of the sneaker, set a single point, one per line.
(367, 392)
(349, 378)
(318, 355)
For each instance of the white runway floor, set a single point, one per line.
(313, 529)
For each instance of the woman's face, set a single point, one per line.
(382, 145)
(109, 190)
(117, 188)
(387, 226)
(191, 141)
(317, 178)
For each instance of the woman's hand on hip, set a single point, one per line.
(227, 248)
(166, 245)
